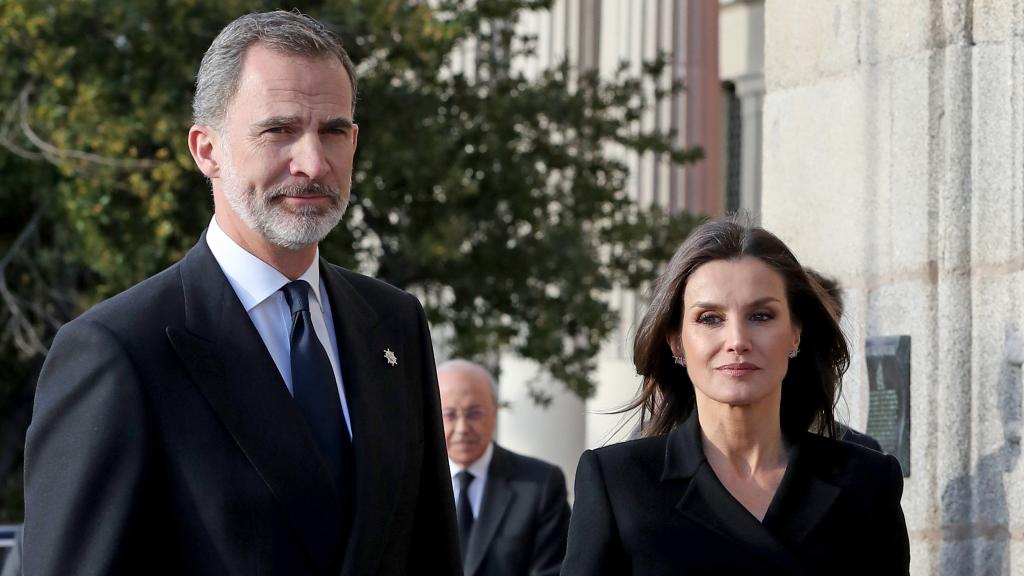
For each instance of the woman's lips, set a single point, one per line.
(738, 369)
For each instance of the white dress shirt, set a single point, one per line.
(258, 286)
(479, 471)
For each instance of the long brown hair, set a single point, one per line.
(812, 383)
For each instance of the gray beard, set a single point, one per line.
(291, 230)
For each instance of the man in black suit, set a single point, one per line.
(252, 409)
(512, 511)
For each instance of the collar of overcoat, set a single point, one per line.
(802, 500)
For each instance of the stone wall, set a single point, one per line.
(894, 160)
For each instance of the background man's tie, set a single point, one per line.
(464, 511)
(316, 390)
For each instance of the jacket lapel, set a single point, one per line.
(706, 502)
(497, 499)
(227, 360)
(376, 404)
(803, 498)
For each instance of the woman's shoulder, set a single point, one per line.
(848, 464)
(638, 451)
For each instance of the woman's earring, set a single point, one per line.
(794, 353)
(679, 360)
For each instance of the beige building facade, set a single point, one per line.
(894, 160)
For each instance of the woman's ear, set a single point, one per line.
(675, 343)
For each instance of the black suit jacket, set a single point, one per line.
(523, 521)
(654, 506)
(164, 440)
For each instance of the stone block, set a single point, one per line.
(997, 20)
(997, 141)
(814, 172)
(894, 29)
(849, 155)
(808, 39)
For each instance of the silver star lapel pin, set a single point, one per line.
(390, 357)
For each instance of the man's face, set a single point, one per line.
(287, 143)
(469, 413)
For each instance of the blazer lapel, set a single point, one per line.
(375, 405)
(497, 499)
(228, 362)
(707, 503)
(803, 499)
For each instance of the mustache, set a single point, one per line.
(305, 190)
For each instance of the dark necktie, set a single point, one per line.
(316, 390)
(464, 511)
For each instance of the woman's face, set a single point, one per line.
(737, 332)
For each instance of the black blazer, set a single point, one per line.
(654, 506)
(164, 440)
(523, 521)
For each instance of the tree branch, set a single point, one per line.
(53, 154)
(19, 328)
(29, 228)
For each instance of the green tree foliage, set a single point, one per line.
(490, 193)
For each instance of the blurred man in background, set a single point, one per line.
(512, 511)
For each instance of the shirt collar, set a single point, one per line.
(253, 279)
(479, 468)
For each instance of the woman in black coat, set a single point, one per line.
(740, 357)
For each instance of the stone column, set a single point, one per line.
(750, 91)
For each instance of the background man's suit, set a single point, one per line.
(164, 440)
(523, 520)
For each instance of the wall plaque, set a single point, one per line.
(888, 359)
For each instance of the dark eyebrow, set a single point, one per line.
(338, 122)
(714, 306)
(276, 121)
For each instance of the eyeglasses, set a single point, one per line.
(471, 415)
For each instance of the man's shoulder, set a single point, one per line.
(136, 318)
(523, 466)
(153, 297)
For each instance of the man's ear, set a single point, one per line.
(202, 143)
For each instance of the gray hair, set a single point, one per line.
(471, 368)
(291, 33)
